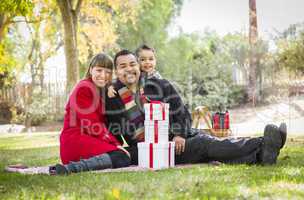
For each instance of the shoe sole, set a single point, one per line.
(272, 142)
(283, 132)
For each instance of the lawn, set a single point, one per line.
(282, 181)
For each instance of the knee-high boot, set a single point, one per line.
(99, 162)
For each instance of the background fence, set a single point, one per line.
(50, 100)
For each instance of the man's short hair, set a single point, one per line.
(122, 53)
(144, 47)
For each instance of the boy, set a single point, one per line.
(147, 61)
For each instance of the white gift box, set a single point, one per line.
(156, 111)
(156, 156)
(156, 131)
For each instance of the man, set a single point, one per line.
(126, 121)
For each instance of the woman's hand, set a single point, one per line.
(124, 150)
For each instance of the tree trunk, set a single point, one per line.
(3, 24)
(41, 71)
(28, 101)
(253, 60)
(69, 14)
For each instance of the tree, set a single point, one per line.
(238, 47)
(290, 45)
(253, 61)
(153, 18)
(10, 9)
(32, 52)
(291, 54)
(98, 27)
(69, 12)
(7, 63)
(97, 32)
(200, 67)
(45, 39)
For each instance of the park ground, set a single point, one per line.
(282, 181)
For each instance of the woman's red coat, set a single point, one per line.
(84, 133)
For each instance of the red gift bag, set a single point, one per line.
(218, 124)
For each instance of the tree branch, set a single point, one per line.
(69, 6)
(3, 24)
(78, 6)
(27, 21)
(52, 51)
(89, 43)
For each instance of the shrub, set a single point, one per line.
(39, 109)
(5, 113)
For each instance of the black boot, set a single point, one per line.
(102, 161)
(119, 159)
(271, 145)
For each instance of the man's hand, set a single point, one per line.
(124, 150)
(179, 144)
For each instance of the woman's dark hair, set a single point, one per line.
(100, 60)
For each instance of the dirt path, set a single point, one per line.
(246, 121)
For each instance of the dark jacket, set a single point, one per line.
(154, 89)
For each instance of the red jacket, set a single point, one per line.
(84, 132)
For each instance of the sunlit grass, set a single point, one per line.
(282, 181)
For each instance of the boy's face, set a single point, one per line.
(147, 60)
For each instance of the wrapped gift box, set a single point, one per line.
(156, 156)
(156, 111)
(156, 131)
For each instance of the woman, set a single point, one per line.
(85, 142)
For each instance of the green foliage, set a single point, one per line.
(153, 18)
(7, 63)
(291, 55)
(8, 10)
(16, 7)
(238, 47)
(17, 114)
(97, 30)
(282, 181)
(38, 109)
(200, 65)
(237, 95)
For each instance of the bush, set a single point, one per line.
(18, 115)
(5, 113)
(237, 95)
(217, 94)
(39, 109)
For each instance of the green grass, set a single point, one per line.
(282, 181)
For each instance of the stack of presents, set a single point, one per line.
(156, 152)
